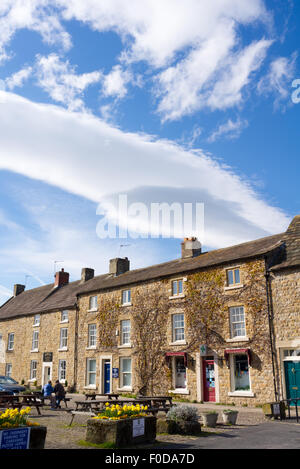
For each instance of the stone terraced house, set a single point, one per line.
(217, 326)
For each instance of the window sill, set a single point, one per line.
(176, 297)
(34, 351)
(241, 394)
(238, 339)
(125, 346)
(36, 325)
(234, 287)
(90, 387)
(179, 391)
(64, 349)
(179, 342)
(91, 348)
(94, 310)
(126, 304)
(64, 322)
(126, 388)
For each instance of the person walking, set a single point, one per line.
(60, 393)
(47, 394)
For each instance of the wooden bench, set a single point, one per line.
(19, 401)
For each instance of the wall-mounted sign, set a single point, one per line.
(15, 439)
(47, 357)
(203, 350)
(115, 372)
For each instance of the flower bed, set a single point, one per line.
(122, 425)
(17, 432)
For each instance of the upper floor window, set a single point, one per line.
(93, 303)
(63, 338)
(125, 332)
(64, 316)
(126, 297)
(233, 277)
(237, 321)
(35, 340)
(37, 320)
(92, 335)
(178, 327)
(177, 287)
(10, 342)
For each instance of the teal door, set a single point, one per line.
(292, 379)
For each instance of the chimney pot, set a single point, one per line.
(190, 247)
(119, 266)
(61, 278)
(18, 289)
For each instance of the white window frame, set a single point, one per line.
(64, 317)
(89, 373)
(62, 370)
(63, 338)
(8, 369)
(33, 370)
(93, 303)
(11, 341)
(37, 320)
(92, 338)
(122, 373)
(35, 341)
(233, 311)
(177, 328)
(125, 327)
(126, 297)
(239, 392)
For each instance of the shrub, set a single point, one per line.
(183, 412)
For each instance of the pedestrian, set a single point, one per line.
(60, 393)
(47, 394)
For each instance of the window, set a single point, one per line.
(92, 335)
(237, 322)
(63, 338)
(178, 327)
(33, 368)
(241, 380)
(37, 320)
(126, 297)
(64, 316)
(62, 370)
(93, 303)
(177, 287)
(8, 370)
(233, 277)
(10, 342)
(125, 365)
(125, 332)
(91, 372)
(35, 340)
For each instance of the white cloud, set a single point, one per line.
(96, 160)
(59, 79)
(114, 84)
(278, 79)
(231, 129)
(18, 78)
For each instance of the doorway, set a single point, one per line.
(47, 372)
(292, 379)
(106, 376)
(209, 385)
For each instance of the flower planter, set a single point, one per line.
(124, 432)
(16, 438)
(209, 419)
(230, 417)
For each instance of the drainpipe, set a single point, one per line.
(76, 346)
(270, 319)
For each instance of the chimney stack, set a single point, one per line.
(87, 274)
(190, 247)
(18, 289)
(61, 278)
(119, 266)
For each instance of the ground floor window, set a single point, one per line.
(33, 369)
(62, 370)
(8, 370)
(180, 373)
(91, 372)
(126, 374)
(241, 379)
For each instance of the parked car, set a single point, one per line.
(10, 386)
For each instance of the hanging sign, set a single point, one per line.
(203, 350)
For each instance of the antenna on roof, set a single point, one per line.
(122, 246)
(56, 262)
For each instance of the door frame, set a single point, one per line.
(199, 372)
(103, 359)
(47, 365)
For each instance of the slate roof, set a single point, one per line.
(48, 298)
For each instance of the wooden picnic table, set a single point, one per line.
(18, 401)
(109, 396)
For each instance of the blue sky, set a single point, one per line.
(186, 102)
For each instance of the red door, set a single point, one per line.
(209, 390)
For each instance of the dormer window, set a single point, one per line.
(93, 304)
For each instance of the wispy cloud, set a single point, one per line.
(231, 129)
